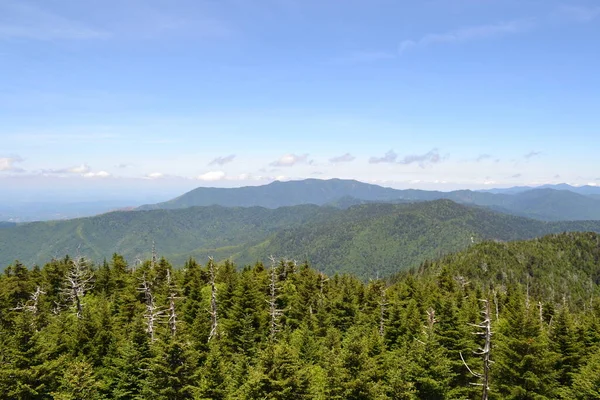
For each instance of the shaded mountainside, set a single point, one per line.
(366, 240)
(279, 194)
(544, 204)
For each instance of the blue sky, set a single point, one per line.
(140, 96)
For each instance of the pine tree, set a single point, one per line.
(524, 361)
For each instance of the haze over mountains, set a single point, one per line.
(337, 225)
(545, 203)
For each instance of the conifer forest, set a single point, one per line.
(515, 320)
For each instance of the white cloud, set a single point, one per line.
(289, 160)
(212, 176)
(81, 169)
(154, 175)
(7, 164)
(99, 174)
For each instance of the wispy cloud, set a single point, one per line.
(576, 13)
(8, 164)
(389, 157)
(483, 157)
(560, 15)
(23, 20)
(468, 34)
(342, 159)
(431, 157)
(222, 160)
(78, 169)
(532, 154)
(290, 160)
(123, 165)
(516, 176)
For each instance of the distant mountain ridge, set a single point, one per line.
(546, 204)
(366, 239)
(585, 190)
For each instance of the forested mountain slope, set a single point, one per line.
(544, 204)
(286, 331)
(366, 240)
(133, 233)
(379, 239)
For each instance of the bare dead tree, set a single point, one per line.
(172, 310)
(382, 311)
(77, 282)
(462, 281)
(430, 319)
(322, 280)
(214, 318)
(31, 305)
(154, 255)
(153, 313)
(486, 332)
(136, 262)
(527, 298)
(496, 305)
(274, 312)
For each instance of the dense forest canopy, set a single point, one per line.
(77, 330)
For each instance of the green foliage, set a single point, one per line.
(367, 240)
(335, 338)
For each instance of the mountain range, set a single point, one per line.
(366, 240)
(587, 190)
(548, 204)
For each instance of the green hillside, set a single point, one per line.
(545, 204)
(379, 239)
(366, 240)
(133, 233)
